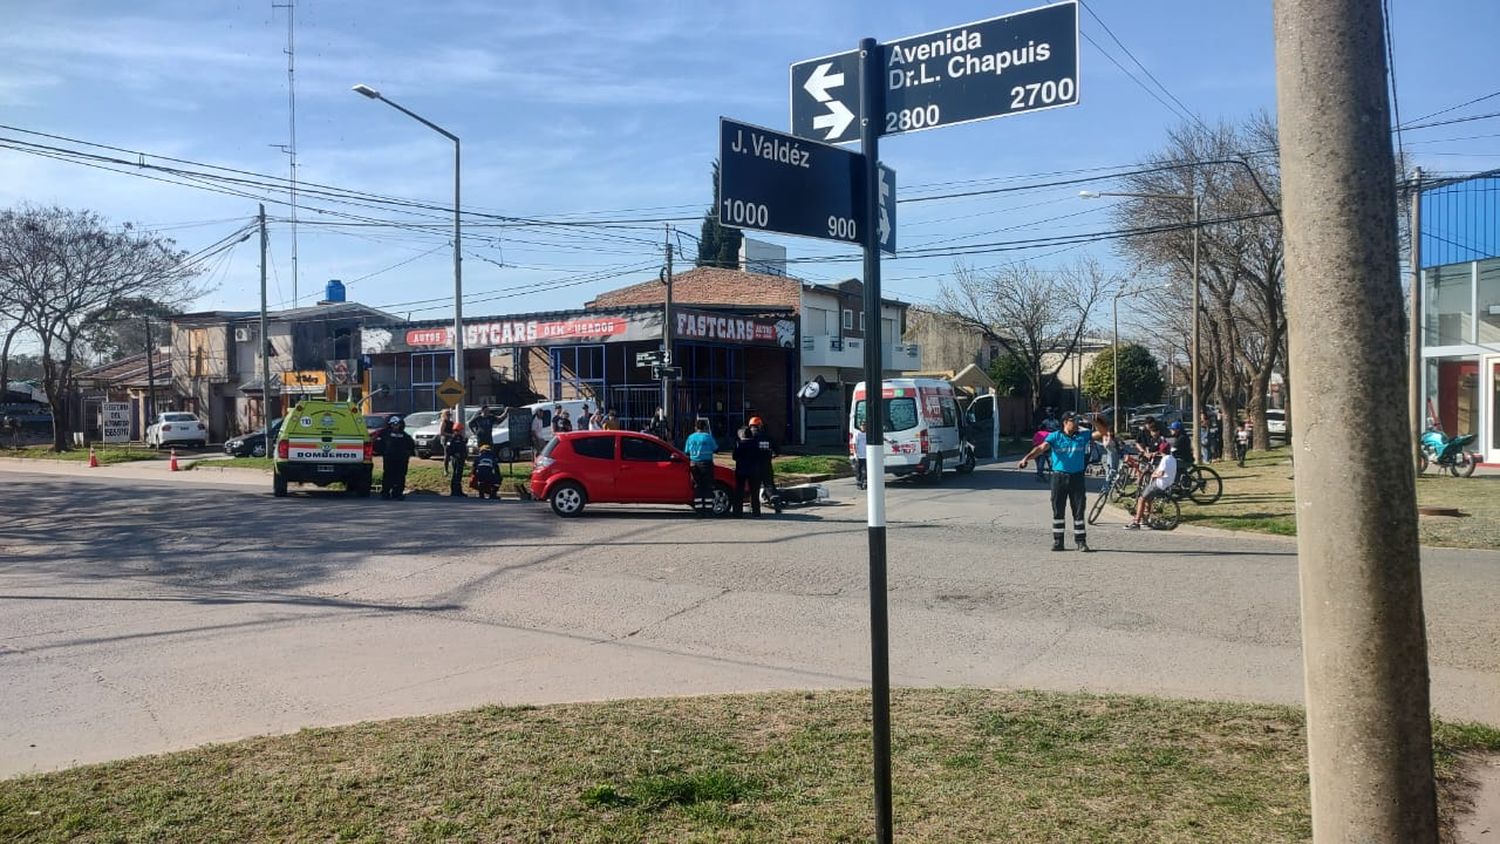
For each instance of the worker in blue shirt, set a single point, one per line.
(1068, 450)
(700, 447)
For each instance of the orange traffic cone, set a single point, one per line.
(93, 459)
(172, 464)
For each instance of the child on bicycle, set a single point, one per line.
(1162, 478)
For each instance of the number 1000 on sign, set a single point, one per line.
(737, 213)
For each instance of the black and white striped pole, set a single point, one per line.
(872, 97)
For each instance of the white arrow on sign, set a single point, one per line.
(885, 217)
(821, 80)
(835, 121)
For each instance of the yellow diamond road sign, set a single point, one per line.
(450, 392)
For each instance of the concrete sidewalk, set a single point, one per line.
(142, 470)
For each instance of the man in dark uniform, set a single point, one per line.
(396, 453)
(458, 451)
(1068, 450)
(767, 451)
(483, 427)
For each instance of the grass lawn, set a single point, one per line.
(1259, 498)
(106, 455)
(968, 765)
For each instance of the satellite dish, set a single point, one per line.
(812, 389)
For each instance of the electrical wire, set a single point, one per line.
(1192, 116)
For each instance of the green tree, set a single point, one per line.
(1140, 376)
(718, 246)
(120, 330)
(1009, 374)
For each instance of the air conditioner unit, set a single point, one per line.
(242, 335)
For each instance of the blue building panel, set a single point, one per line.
(1461, 221)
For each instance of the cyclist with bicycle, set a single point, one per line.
(1160, 486)
(1182, 446)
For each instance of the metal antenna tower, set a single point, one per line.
(291, 106)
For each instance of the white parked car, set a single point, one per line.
(1276, 423)
(177, 428)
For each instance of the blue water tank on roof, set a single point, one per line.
(334, 292)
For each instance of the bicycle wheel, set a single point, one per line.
(1163, 513)
(1097, 509)
(1206, 486)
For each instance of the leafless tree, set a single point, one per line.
(1031, 313)
(64, 271)
(1234, 171)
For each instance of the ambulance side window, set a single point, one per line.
(950, 414)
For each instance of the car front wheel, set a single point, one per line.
(723, 501)
(567, 499)
(259, 450)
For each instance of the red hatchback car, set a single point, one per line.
(618, 467)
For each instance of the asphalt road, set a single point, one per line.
(147, 612)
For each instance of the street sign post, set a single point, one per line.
(773, 182)
(666, 373)
(450, 391)
(1024, 61)
(648, 358)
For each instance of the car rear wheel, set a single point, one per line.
(258, 450)
(567, 499)
(505, 454)
(278, 485)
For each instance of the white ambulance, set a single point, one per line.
(923, 430)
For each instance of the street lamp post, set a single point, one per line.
(1193, 367)
(458, 269)
(1116, 366)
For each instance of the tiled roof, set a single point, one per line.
(130, 371)
(709, 286)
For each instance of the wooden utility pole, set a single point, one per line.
(1369, 732)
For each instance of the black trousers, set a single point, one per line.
(456, 480)
(1067, 490)
(393, 479)
(742, 484)
(703, 482)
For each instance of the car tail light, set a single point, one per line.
(369, 451)
(542, 462)
(925, 444)
(283, 450)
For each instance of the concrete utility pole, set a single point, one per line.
(265, 357)
(666, 339)
(1369, 732)
(1414, 336)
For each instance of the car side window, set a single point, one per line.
(632, 448)
(598, 448)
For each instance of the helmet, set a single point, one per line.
(756, 423)
(1175, 426)
(393, 420)
(484, 447)
(1164, 447)
(458, 426)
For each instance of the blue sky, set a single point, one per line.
(608, 110)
